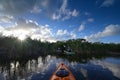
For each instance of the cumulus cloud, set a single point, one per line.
(24, 24)
(10, 10)
(50, 9)
(25, 28)
(64, 34)
(13, 7)
(28, 28)
(82, 25)
(110, 30)
(17, 7)
(73, 35)
(6, 19)
(107, 3)
(1, 28)
(64, 13)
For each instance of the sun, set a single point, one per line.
(20, 34)
(21, 37)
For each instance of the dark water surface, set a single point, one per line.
(107, 68)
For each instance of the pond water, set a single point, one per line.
(107, 68)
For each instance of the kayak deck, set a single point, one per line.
(62, 73)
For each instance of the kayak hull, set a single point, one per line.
(68, 77)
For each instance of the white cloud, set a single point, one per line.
(25, 28)
(24, 24)
(64, 6)
(6, 19)
(73, 35)
(82, 25)
(1, 29)
(44, 33)
(110, 30)
(64, 35)
(107, 3)
(28, 28)
(62, 32)
(13, 7)
(75, 13)
(49, 8)
(64, 13)
(56, 17)
(44, 5)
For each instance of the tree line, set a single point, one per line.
(13, 49)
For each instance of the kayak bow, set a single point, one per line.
(62, 73)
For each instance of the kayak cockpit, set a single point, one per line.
(62, 73)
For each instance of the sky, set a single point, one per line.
(54, 20)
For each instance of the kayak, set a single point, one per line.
(62, 73)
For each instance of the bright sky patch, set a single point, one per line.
(46, 20)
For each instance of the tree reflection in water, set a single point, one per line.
(43, 67)
(25, 69)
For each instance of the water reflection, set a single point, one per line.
(84, 72)
(43, 67)
(114, 68)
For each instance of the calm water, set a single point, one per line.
(42, 68)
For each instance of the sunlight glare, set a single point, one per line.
(21, 37)
(21, 34)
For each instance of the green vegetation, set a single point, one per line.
(13, 49)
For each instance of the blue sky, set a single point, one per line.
(53, 20)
